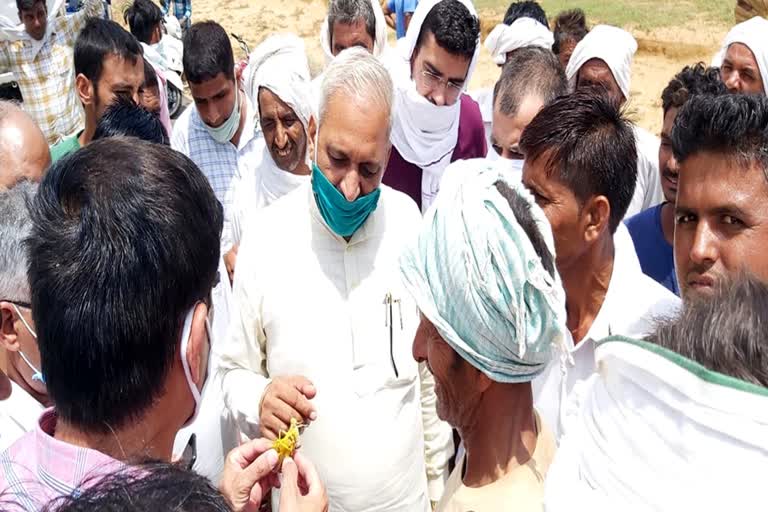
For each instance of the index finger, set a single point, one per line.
(296, 399)
(309, 474)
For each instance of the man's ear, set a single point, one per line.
(9, 339)
(596, 214)
(85, 89)
(198, 347)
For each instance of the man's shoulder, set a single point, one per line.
(399, 205)
(64, 147)
(642, 223)
(649, 300)
(470, 112)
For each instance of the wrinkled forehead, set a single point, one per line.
(270, 100)
(739, 54)
(596, 69)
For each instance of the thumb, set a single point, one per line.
(259, 468)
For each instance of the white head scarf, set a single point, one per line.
(655, 431)
(11, 28)
(752, 34)
(279, 64)
(379, 42)
(612, 45)
(521, 33)
(475, 274)
(424, 134)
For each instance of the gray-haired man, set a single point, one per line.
(324, 330)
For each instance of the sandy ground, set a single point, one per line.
(661, 53)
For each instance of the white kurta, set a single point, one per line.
(484, 98)
(313, 305)
(632, 304)
(648, 190)
(18, 415)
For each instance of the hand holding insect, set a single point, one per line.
(284, 399)
(249, 475)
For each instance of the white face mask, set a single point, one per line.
(37, 375)
(228, 128)
(185, 335)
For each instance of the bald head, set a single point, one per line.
(24, 151)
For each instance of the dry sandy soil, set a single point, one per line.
(661, 53)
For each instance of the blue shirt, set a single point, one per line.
(654, 252)
(401, 8)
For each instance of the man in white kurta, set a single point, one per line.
(328, 308)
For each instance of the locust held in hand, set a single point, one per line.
(287, 442)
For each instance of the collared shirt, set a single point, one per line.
(648, 191)
(38, 468)
(45, 73)
(18, 415)
(316, 305)
(656, 255)
(65, 147)
(633, 304)
(221, 163)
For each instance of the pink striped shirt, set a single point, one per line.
(38, 468)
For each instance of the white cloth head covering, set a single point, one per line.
(424, 134)
(612, 45)
(475, 274)
(279, 64)
(521, 33)
(655, 431)
(11, 28)
(752, 34)
(379, 42)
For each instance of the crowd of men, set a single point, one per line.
(516, 299)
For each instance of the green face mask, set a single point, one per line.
(342, 216)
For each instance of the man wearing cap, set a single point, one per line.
(603, 59)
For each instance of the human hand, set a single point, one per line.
(301, 489)
(229, 261)
(286, 398)
(249, 475)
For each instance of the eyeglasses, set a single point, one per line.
(432, 81)
(21, 304)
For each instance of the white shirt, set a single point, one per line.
(632, 305)
(484, 98)
(18, 415)
(312, 304)
(221, 163)
(648, 190)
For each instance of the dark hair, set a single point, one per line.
(125, 118)
(527, 9)
(143, 17)
(589, 145)
(124, 241)
(150, 76)
(455, 29)
(731, 124)
(692, 81)
(98, 39)
(25, 5)
(529, 71)
(207, 52)
(348, 12)
(146, 488)
(522, 211)
(569, 26)
(724, 333)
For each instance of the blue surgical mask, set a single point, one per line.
(342, 216)
(37, 375)
(228, 128)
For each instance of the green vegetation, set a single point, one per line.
(639, 14)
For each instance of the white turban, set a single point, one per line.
(653, 430)
(424, 134)
(279, 64)
(612, 45)
(752, 34)
(475, 274)
(521, 33)
(379, 42)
